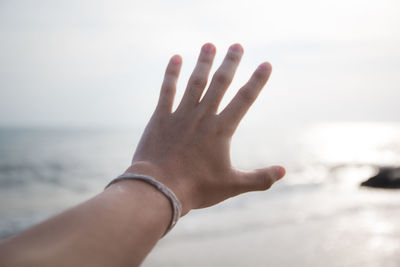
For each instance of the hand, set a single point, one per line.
(189, 149)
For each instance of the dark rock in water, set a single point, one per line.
(386, 178)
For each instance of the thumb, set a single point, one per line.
(262, 179)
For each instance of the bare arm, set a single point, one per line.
(187, 150)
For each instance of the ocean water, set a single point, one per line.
(318, 215)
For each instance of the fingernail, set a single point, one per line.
(176, 60)
(236, 48)
(264, 66)
(280, 172)
(208, 48)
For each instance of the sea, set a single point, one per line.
(318, 215)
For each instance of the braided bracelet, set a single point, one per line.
(175, 204)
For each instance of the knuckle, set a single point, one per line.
(222, 78)
(266, 182)
(171, 72)
(219, 130)
(198, 81)
(233, 57)
(224, 132)
(223, 129)
(246, 95)
(168, 90)
(193, 93)
(267, 185)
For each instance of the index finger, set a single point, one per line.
(245, 97)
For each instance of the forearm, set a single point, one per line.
(116, 228)
(187, 150)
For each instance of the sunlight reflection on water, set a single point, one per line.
(365, 143)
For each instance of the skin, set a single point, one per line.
(186, 149)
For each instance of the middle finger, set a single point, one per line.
(222, 79)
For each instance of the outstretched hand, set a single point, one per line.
(188, 149)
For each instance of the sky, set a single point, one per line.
(101, 63)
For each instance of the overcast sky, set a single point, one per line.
(101, 62)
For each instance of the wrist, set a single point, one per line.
(166, 177)
(129, 196)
